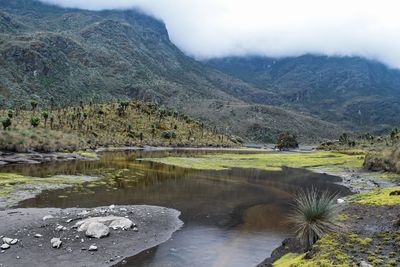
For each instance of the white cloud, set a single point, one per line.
(215, 28)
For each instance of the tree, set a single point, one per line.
(287, 141)
(35, 121)
(34, 104)
(6, 123)
(45, 116)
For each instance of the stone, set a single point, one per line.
(365, 264)
(14, 241)
(121, 223)
(61, 228)
(38, 235)
(135, 229)
(340, 201)
(92, 248)
(56, 242)
(48, 217)
(5, 246)
(7, 240)
(97, 230)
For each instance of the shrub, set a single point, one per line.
(287, 141)
(315, 215)
(45, 116)
(35, 121)
(168, 134)
(6, 123)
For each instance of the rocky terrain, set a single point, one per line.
(101, 236)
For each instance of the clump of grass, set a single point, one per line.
(315, 214)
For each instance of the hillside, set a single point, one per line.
(103, 125)
(70, 55)
(356, 93)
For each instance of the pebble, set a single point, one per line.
(5, 246)
(38, 235)
(56, 242)
(135, 229)
(92, 248)
(47, 217)
(14, 241)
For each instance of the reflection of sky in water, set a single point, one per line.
(214, 247)
(232, 218)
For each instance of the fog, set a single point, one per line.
(217, 28)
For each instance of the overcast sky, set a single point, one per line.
(215, 28)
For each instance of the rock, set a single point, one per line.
(340, 201)
(365, 264)
(61, 228)
(97, 230)
(92, 248)
(5, 246)
(111, 207)
(56, 242)
(395, 193)
(38, 235)
(14, 241)
(121, 223)
(7, 240)
(47, 217)
(135, 229)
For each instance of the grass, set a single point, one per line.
(105, 125)
(315, 215)
(379, 197)
(264, 161)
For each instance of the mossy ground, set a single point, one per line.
(378, 197)
(344, 250)
(265, 161)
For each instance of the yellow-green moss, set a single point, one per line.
(87, 154)
(264, 161)
(378, 197)
(290, 259)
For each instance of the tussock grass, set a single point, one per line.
(315, 214)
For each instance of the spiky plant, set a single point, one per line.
(314, 215)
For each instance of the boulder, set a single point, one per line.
(97, 230)
(121, 223)
(5, 246)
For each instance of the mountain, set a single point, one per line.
(356, 93)
(62, 55)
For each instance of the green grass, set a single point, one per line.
(265, 161)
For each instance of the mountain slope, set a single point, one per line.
(357, 93)
(71, 55)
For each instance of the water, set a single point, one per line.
(232, 218)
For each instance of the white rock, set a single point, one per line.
(14, 241)
(7, 240)
(56, 242)
(38, 235)
(92, 248)
(107, 220)
(112, 207)
(365, 264)
(97, 230)
(340, 201)
(47, 217)
(121, 223)
(61, 228)
(5, 246)
(123, 209)
(135, 229)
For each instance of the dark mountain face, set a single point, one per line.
(357, 93)
(71, 55)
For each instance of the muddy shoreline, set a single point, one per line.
(34, 228)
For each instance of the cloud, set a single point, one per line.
(275, 28)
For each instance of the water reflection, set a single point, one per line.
(232, 218)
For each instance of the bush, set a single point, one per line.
(168, 134)
(35, 121)
(6, 123)
(287, 141)
(315, 215)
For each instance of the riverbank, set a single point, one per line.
(33, 230)
(370, 219)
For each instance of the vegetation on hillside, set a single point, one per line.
(97, 125)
